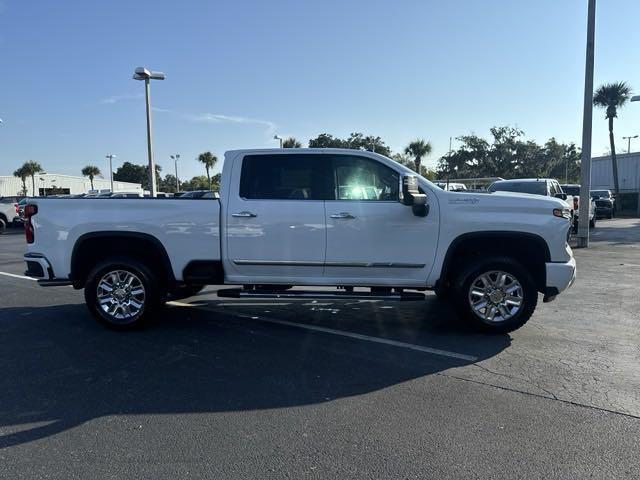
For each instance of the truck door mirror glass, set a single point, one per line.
(412, 197)
(561, 196)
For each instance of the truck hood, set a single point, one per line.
(505, 201)
(525, 198)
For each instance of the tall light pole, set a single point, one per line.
(175, 159)
(142, 73)
(629, 142)
(277, 137)
(587, 118)
(111, 156)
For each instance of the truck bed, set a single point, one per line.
(188, 229)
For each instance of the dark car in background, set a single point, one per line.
(605, 203)
(198, 194)
(573, 189)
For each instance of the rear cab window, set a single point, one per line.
(285, 177)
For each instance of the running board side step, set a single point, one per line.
(260, 293)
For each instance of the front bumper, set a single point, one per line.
(560, 276)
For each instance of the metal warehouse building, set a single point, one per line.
(628, 176)
(49, 183)
(628, 172)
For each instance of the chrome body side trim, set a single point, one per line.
(297, 263)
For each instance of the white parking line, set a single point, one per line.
(23, 277)
(342, 333)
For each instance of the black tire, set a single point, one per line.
(150, 297)
(469, 275)
(3, 226)
(610, 215)
(592, 222)
(184, 291)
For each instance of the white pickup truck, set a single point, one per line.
(348, 219)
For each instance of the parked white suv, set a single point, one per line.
(308, 217)
(8, 211)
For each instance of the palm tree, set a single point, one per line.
(417, 149)
(612, 96)
(91, 171)
(291, 142)
(22, 174)
(208, 159)
(32, 168)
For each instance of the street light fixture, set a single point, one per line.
(635, 98)
(277, 137)
(111, 156)
(629, 142)
(175, 159)
(142, 73)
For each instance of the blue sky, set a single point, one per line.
(240, 71)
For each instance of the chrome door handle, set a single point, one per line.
(344, 215)
(244, 214)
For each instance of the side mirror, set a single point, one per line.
(561, 196)
(411, 196)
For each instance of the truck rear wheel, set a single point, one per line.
(121, 293)
(495, 295)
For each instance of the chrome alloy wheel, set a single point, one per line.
(496, 296)
(121, 294)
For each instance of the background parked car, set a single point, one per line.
(605, 203)
(199, 194)
(547, 187)
(452, 187)
(574, 190)
(9, 212)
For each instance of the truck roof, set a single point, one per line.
(520, 180)
(348, 151)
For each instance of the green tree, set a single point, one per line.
(291, 142)
(201, 182)
(208, 159)
(507, 154)
(356, 141)
(407, 161)
(418, 149)
(32, 168)
(611, 97)
(91, 171)
(168, 184)
(22, 174)
(130, 172)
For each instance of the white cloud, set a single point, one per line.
(221, 118)
(119, 98)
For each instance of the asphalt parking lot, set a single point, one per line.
(221, 388)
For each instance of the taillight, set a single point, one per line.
(575, 203)
(17, 207)
(29, 211)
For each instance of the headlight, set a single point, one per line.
(562, 213)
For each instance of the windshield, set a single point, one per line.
(536, 188)
(571, 189)
(600, 193)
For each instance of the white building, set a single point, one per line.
(628, 172)
(49, 183)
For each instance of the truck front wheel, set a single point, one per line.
(121, 293)
(496, 295)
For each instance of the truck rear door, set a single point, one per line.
(275, 221)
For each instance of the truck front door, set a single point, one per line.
(372, 238)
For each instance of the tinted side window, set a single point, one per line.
(283, 177)
(359, 178)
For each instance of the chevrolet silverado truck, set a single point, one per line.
(353, 220)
